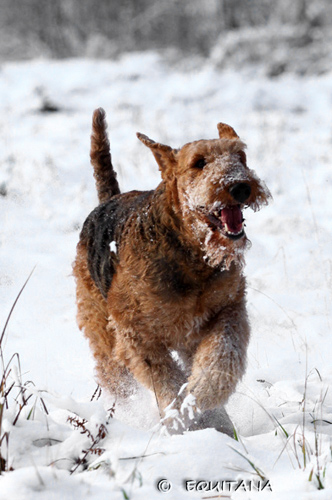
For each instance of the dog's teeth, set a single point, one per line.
(227, 230)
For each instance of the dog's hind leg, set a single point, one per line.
(92, 319)
(115, 377)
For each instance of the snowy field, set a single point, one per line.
(282, 410)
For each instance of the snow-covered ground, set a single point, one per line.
(282, 410)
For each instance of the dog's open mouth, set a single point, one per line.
(229, 220)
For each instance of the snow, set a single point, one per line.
(113, 247)
(284, 403)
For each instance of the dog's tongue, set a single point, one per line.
(231, 218)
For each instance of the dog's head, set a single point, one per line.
(211, 184)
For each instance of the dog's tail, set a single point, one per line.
(101, 160)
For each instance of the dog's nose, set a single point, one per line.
(240, 192)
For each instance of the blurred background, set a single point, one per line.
(283, 35)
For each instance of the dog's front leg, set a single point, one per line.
(220, 358)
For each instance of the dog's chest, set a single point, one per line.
(188, 300)
(172, 280)
(173, 307)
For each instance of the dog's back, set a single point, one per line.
(102, 232)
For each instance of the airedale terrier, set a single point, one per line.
(160, 289)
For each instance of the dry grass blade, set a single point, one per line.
(97, 393)
(14, 305)
(258, 471)
(3, 461)
(4, 390)
(293, 325)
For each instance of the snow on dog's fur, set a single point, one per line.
(175, 281)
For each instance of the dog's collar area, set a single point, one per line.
(229, 220)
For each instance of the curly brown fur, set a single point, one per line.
(174, 280)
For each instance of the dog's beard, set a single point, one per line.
(219, 231)
(218, 249)
(215, 218)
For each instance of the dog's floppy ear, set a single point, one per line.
(164, 155)
(226, 132)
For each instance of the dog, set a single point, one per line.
(161, 294)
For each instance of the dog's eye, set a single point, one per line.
(200, 163)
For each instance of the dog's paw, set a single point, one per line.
(181, 417)
(188, 417)
(217, 418)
